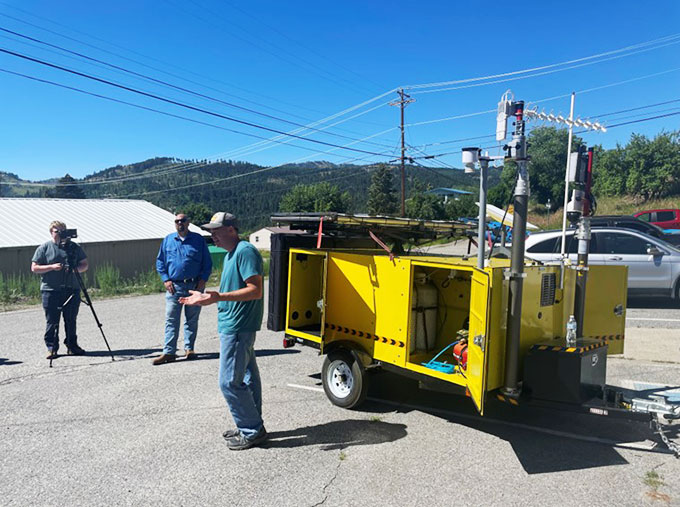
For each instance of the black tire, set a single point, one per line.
(344, 379)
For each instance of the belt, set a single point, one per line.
(186, 280)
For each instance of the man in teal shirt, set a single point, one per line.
(239, 316)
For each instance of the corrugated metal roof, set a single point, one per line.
(97, 220)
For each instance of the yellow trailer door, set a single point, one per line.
(478, 338)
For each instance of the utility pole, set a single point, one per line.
(404, 99)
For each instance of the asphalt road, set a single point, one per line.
(90, 431)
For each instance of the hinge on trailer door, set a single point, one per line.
(479, 341)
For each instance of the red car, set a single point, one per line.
(664, 218)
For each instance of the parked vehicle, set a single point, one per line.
(664, 218)
(630, 222)
(653, 265)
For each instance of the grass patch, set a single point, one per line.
(620, 205)
(653, 479)
(375, 418)
(19, 289)
(342, 456)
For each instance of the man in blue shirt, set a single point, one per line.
(184, 264)
(239, 316)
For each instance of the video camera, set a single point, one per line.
(68, 234)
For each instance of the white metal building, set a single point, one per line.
(262, 238)
(123, 232)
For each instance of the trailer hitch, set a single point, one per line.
(658, 407)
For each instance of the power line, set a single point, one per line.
(176, 103)
(331, 77)
(165, 113)
(165, 83)
(641, 120)
(297, 106)
(311, 50)
(636, 108)
(670, 39)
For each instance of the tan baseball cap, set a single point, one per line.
(221, 219)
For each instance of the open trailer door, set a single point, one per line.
(478, 338)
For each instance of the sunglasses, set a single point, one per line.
(181, 220)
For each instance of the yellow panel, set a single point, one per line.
(606, 289)
(498, 318)
(367, 302)
(476, 365)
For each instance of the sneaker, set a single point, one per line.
(229, 434)
(51, 354)
(75, 351)
(164, 358)
(241, 443)
(189, 354)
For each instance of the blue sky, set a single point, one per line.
(306, 61)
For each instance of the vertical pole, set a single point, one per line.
(521, 201)
(402, 104)
(566, 187)
(583, 234)
(481, 231)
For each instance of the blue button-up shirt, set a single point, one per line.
(181, 260)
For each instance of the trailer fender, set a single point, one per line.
(360, 355)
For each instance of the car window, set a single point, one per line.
(546, 246)
(623, 244)
(596, 243)
(665, 216)
(572, 245)
(645, 217)
(642, 227)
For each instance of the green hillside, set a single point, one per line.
(250, 191)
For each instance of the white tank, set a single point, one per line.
(423, 329)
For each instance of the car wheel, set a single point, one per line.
(344, 379)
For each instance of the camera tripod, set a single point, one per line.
(68, 268)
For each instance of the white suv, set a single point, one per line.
(653, 265)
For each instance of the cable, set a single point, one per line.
(311, 50)
(165, 83)
(176, 103)
(333, 78)
(204, 77)
(264, 169)
(137, 106)
(637, 121)
(636, 108)
(667, 38)
(454, 141)
(538, 73)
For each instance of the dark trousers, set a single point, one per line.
(57, 303)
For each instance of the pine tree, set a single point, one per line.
(382, 198)
(67, 189)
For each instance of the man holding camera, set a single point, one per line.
(56, 261)
(184, 264)
(239, 316)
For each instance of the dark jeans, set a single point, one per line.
(53, 304)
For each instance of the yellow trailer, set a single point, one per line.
(365, 308)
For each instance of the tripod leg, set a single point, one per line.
(88, 302)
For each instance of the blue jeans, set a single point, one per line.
(53, 304)
(173, 314)
(240, 382)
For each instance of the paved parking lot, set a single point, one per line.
(92, 432)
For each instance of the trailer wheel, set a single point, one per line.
(344, 379)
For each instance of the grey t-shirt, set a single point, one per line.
(51, 253)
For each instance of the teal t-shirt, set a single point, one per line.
(240, 316)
